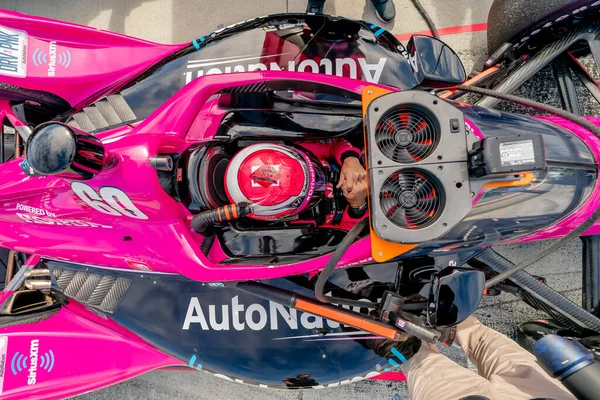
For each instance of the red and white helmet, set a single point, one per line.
(278, 180)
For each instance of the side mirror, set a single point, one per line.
(57, 149)
(434, 63)
(454, 294)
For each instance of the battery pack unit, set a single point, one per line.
(500, 155)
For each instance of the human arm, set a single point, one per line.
(357, 204)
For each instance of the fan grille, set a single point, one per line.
(406, 135)
(411, 198)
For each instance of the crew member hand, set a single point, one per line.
(357, 195)
(352, 172)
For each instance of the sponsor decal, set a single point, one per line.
(412, 58)
(108, 200)
(41, 216)
(311, 179)
(51, 58)
(3, 350)
(356, 68)
(34, 210)
(32, 364)
(13, 52)
(240, 317)
(265, 175)
(256, 317)
(34, 219)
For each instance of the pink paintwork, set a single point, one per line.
(390, 376)
(71, 352)
(99, 62)
(93, 58)
(164, 242)
(42, 216)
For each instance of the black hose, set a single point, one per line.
(207, 243)
(230, 212)
(426, 17)
(335, 258)
(584, 123)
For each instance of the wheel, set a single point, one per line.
(515, 19)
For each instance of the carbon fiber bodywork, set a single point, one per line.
(103, 292)
(588, 31)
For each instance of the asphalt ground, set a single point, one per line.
(174, 21)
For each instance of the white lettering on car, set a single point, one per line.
(35, 219)
(254, 316)
(52, 61)
(33, 362)
(13, 52)
(108, 200)
(347, 67)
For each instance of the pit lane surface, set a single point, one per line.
(175, 21)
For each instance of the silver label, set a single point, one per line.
(517, 153)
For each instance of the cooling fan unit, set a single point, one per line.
(406, 136)
(411, 199)
(418, 172)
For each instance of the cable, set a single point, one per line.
(425, 16)
(335, 258)
(563, 114)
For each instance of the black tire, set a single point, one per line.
(513, 19)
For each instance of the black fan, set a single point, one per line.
(411, 198)
(406, 135)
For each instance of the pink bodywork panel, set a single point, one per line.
(89, 61)
(99, 62)
(164, 241)
(71, 352)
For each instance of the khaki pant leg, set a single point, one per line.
(431, 375)
(513, 372)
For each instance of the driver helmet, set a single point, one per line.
(279, 181)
